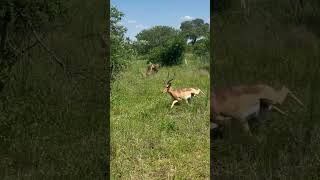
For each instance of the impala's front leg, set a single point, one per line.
(188, 99)
(174, 102)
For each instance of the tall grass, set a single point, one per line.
(152, 141)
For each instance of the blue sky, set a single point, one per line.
(144, 14)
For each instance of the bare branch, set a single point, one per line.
(55, 57)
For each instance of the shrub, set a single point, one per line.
(156, 36)
(141, 46)
(201, 50)
(169, 54)
(121, 49)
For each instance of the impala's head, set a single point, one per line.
(156, 67)
(167, 84)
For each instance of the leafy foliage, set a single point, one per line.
(171, 53)
(121, 49)
(154, 37)
(201, 49)
(141, 46)
(194, 29)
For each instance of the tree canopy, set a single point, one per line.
(155, 36)
(120, 50)
(194, 29)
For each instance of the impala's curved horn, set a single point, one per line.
(296, 99)
(166, 81)
(279, 110)
(174, 74)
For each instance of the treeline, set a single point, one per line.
(159, 44)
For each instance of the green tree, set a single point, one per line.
(171, 53)
(141, 46)
(121, 50)
(116, 29)
(194, 29)
(155, 37)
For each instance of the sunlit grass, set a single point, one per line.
(148, 139)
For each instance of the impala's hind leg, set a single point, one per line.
(188, 100)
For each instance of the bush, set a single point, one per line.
(169, 54)
(201, 50)
(121, 49)
(156, 36)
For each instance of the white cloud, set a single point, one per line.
(187, 18)
(132, 21)
(141, 26)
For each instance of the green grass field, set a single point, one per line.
(148, 139)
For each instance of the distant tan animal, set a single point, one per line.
(152, 69)
(180, 94)
(240, 102)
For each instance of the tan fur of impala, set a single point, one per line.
(152, 69)
(239, 101)
(180, 94)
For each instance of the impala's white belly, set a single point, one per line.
(252, 111)
(186, 97)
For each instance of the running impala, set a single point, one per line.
(180, 94)
(241, 102)
(152, 69)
